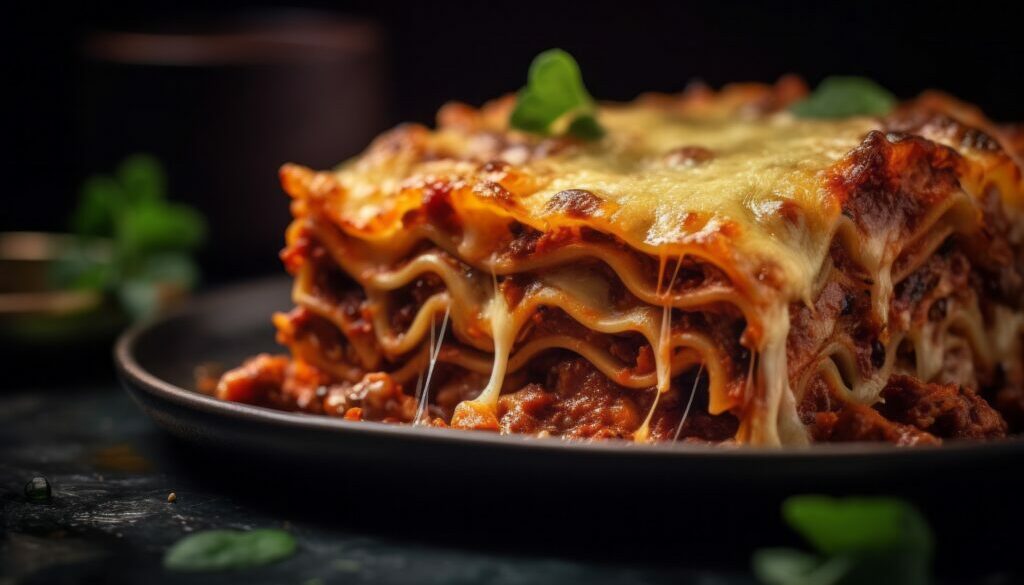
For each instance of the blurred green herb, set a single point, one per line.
(842, 97)
(152, 238)
(221, 550)
(555, 93)
(858, 541)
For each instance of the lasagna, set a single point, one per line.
(712, 269)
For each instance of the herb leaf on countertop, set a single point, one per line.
(858, 541)
(221, 550)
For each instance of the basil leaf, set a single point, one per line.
(858, 525)
(160, 281)
(879, 540)
(786, 566)
(532, 113)
(555, 78)
(169, 267)
(83, 274)
(159, 226)
(149, 268)
(586, 127)
(143, 178)
(842, 97)
(100, 202)
(553, 90)
(219, 550)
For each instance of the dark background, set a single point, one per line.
(432, 52)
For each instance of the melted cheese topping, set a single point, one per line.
(764, 186)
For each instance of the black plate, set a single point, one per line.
(601, 497)
(157, 361)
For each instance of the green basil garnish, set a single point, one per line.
(152, 238)
(555, 92)
(220, 550)
(132, 208)
(842, 97)
(858, 541)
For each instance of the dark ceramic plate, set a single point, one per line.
(605, 496)
(157, 362)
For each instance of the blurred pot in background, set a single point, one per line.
(49, 331)
(223, 104)
(37, 311)
(64, 297)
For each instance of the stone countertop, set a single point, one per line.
(109, 519)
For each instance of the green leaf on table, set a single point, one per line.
(143, 178)
(857, 541)
(553, 92)
(886, 538)
(786, 566)
(843, 97)
(858, 525)
(220, 550)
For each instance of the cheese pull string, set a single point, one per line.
(418, 394)
(663, 356)
(689, 403)
(665, 339)
(434, 351)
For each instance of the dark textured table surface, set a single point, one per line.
(109, 520)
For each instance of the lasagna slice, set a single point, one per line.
(712, 269)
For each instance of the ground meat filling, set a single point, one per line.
(699, 426)
(911, 412)
(375, 397)
(946, 411)
(279, 382)
(1008, 395)
(255, 381)
(856, 422)
(274, 381)
(576, 402)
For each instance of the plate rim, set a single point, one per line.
(133, 373)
